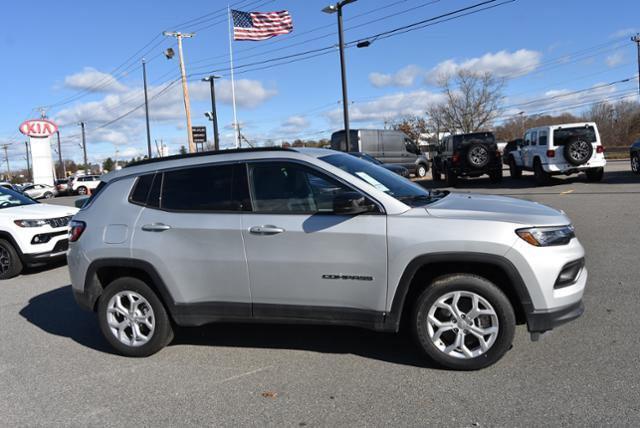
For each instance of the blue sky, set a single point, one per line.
(72, 56)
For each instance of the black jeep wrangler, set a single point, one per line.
(467, 155)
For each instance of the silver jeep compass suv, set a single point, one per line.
(318, 236)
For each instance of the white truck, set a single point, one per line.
(559, 149)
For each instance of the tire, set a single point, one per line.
(635, 163)
(450, 177)
(48, 195)
(578, 152)
(542, 177)
(10, 263)
(435, 172)
(514, 170)
(478, 156)
(156, 338)
(496, 176)
(81, 190)
(421, 170)
(595, 174)
(498, 324)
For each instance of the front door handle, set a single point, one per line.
(156, 227)
(266, 229)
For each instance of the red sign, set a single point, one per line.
(38, 128)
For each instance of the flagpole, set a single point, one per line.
(233, 84)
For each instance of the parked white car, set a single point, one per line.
(30, 233)
(559, 150)
(83, 184)
(40, 191)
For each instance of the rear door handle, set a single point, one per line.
(156, 227)
(266, 229)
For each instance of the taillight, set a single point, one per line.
(599, 149)
(455, 158)
(75, 229)
(551, 153)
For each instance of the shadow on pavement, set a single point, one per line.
(57, 313)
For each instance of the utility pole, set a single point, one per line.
(343, 68)
(636, 39)
(185, 89)
(84, 148)
(6, 158)
(26, 146)
(146, 106)
(214, 116)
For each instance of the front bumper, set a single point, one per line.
(541, 321)
(58, 252)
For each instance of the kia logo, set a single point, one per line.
(38, 128)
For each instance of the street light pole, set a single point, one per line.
(146, 106)
(343, 68)
(214, 116)
(84, 149)
(636, 39)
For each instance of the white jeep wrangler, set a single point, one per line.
(559, 149)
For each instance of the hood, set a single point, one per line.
(38, 211)
(497, 208)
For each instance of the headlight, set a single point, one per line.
(547, 236)
(30, 223)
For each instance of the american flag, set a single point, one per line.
(260, 25)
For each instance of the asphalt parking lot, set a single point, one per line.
(56, 369)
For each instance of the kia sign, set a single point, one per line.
(38, 128)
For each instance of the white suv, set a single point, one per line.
(559, 149)
(81, 185)
(30, 233)
(318, 236)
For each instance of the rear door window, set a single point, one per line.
(563, 136)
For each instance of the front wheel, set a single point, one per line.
(10, 263)
(48, 195)
(133, 319)
(635, 163)
(421, 170)
(82, 190)
(450, 177)
(463, 322)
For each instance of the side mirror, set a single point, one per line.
(79, 203)
(352, 203)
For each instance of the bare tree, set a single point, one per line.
(618, 123)
(472, 102)
(412, 126)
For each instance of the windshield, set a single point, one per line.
(566, 135)
(9, 198)
(382, 179)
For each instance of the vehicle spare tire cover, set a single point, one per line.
(578, 152)
(478, 155)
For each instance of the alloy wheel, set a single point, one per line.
(580, 150)
(635, 163)
(478, 156)
(462, 324)
(5, 260)
(130, 318)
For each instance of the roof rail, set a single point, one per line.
(209, 153)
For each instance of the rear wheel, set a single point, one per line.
(450, 177)
(514, 170)
(635, 163)
(595, 174)
(82, 190)
(542, 177)
(496, 176)
(435, 173)
(10, 263)
(463, 322)
(133, 319)
(48, 195)
(421, 170)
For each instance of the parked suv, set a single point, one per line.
(467, 155)
(318, 236)
(30, 233)
(559, 149)
(83, 184)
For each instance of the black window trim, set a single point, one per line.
(380, 206)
